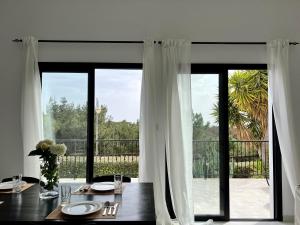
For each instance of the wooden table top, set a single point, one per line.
(137, 206)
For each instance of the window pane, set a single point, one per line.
(206, 183)
(64, 98)
(117, 111)
(250, 192)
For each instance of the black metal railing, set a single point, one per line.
(247, 158)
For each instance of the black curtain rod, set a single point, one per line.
(140, 42)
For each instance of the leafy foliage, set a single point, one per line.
(203, 131)
(64, 120)
(247, 104)
(104, 168)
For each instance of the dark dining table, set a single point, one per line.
(137, 206)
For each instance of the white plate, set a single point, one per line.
(9, 185)
(103, 186)
(106, 182)
(81, 208)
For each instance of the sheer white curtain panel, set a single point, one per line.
(152, 143)
(166, 127)
(31, 110)
(280, 97)
(178, 126)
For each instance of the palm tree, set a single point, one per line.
(247, 104)
(248, 92)
(248, 107)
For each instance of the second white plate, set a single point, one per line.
(102, 187)
(81, 208)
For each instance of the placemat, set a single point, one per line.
(24, 187)
(89, 191)
(58, 215)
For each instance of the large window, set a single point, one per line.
(205, 89)
(117, 113)
(94, 110)
(65, 118)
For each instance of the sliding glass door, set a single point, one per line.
(94, 109)
(231, 151)
(64, 98)
(209, 142)
(117, 113)
(206, 182)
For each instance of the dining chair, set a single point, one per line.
(26, 179)
(105, 178)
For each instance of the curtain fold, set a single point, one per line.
(178, 126)
(166, 127)
(280, 97)
(152, 143)
(31, 110)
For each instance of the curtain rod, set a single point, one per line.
(141, 42)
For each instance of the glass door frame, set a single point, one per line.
(222, 70)
(89, 68)
(223, 138)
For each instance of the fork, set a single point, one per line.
(106, 206)
(109, 210)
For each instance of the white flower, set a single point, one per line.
(44, 144)
(58, 149)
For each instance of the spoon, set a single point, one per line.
(106, 205)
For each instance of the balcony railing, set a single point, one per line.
(247, 158)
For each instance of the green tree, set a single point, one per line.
(247, 104)
(202, 130)
(64, 120)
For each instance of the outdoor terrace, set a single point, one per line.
(249, 172)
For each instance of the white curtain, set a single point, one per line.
(178, 126)
(280, 97)
(166, 127)
(31, 114)
(152, 141)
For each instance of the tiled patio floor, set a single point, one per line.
(249, 198)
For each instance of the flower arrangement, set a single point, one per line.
(48, 152)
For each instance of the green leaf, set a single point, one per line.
(36, 152)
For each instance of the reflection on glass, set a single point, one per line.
(64, 97)
(206, 187)
(117, 111)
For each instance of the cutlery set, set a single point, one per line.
(110, 209)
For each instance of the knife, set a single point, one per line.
(115, 209)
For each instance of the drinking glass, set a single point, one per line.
(65, 194)
(118, 183)
(17, 185)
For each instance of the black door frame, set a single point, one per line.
(223, 138)
(222, 70)
(88, 68)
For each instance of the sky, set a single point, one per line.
(204, 95)
(120, 91)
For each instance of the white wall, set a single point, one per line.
(197, 20)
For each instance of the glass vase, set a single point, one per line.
(49, 178)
